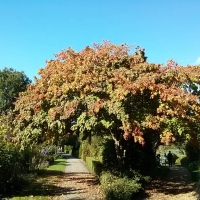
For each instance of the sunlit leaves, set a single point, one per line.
(12, 83)
(106, 89)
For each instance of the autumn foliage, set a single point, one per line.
(106, 90)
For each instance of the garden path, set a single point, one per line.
(80, 182)
(75, 165)
(176, 186)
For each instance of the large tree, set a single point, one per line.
(105, 90)
(11, 83)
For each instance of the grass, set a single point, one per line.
(43, 185)
(59, 165)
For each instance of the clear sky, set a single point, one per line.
(31, 31)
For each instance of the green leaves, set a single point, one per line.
(11, 84)
(107, 124)
(106, 89)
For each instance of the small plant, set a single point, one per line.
(119, 188)
(10, 167)
(182, 160)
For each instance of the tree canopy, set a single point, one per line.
(106, 90)
(11, 83)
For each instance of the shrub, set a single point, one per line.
(94, 166)
(10, 167)
(118, 188)
(109, 156)
(194, 169)
(51, 149)
(85, 150)
(182, 160)
(192, 151)
(174, 158)
(68, 149)
(34, 159)
(50, 160)
(39, 161)
(135, 174)
(193, 166)
(92, 148)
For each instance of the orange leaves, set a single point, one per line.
(133, 130)
(107, 83)
(37, 108)
(167, 138)
(152, 122)
(70, 108)
(176, 102)
(138, 134)
(55, 112)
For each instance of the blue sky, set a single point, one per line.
(32, 31)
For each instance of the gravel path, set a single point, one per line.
(80, 182)
(177, 186)
(75, 165)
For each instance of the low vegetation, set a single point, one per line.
(119, 188)
(111, 107)
(42, 185)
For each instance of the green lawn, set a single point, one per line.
(59, 165)
(43, 186)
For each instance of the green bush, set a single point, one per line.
(34, 159)
(194, 170)
(50, 160)
(109, 157)
(39, 161)
(192, 151)
(182, 160)
(195, 176)
(174, 158)
(118, 188)
(85, 150)
(10, 167)
(52, 149)
(92, 148)
(193, 166)
(137, 176)
(68, 149)
(94, 166)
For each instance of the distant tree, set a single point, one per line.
(11, 83)
(106, 91)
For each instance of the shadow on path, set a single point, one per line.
(77, 176)
(75, 183)
(176, 185)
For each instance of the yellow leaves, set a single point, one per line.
(152, 122)
(132, 129)
(82, 94)
(141, 90)
(162, 118)
(151, 87)
(170, 112)
(94, 107)
(167, 137)
(107, 80)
